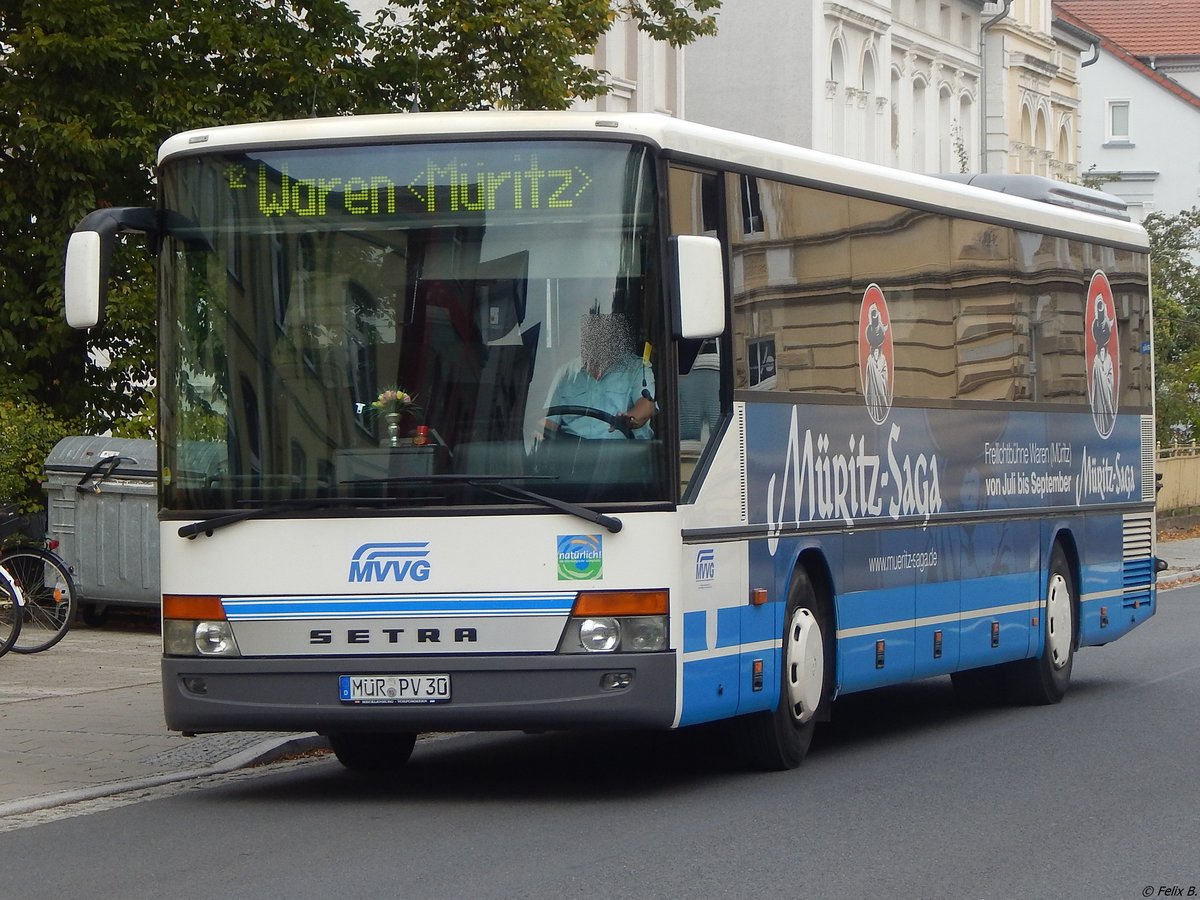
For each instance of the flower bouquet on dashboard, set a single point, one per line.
(395, 405)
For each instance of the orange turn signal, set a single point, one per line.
(622, 603)
(184, 606)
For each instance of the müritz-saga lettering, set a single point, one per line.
(830, 485)
(439, 188)
(392, 635)
(1103, 477)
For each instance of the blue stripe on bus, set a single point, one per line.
(695, 635)
(260, 608)
(710, 689)
(982, 621)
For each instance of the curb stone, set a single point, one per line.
(259, 754)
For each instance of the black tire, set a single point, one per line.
(373, 751)
(780, 739)
(50, 598)
(1044, 680)
(10, 615)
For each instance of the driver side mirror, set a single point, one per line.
(89, 250)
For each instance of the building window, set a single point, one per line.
(1118, 122)
(752, 219)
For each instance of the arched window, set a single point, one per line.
(870, 111)
(946, 127)
(1041, 141)
(965, 135)
(920, 126)
(1026, 147)
(894, 121)
(837, 98)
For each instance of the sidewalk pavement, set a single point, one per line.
(84, 719)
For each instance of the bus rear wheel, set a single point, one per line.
(1044, 680)
(1040, 681)
(780, 739)
(373, 751)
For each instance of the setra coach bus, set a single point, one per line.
(514, 420)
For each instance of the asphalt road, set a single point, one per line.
(906, 794)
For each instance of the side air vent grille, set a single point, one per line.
(1137, 549)
(1148, 457)
(739, 422)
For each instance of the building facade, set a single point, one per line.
(1141, 100)
(1032, 104)
(896, 82)
(922, 85)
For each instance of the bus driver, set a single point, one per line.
(608, 379)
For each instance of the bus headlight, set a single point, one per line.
(215, 639)
(617, 622)
(643, 634)
(182, 637)
(196, 626)
(607, 634)
(599, 635)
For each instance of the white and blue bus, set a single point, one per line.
(867, 427)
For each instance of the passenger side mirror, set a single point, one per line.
(699, 286)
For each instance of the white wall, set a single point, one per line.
(1160, 163)
(756, 75)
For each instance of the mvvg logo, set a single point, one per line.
(706, 566)
(390, 562)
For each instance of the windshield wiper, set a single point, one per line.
(497, 484)
(208, 526)
(510, 492)
(493, 484)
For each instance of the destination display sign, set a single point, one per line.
(430, 181)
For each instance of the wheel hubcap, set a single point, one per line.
(1059, 630)
(806, 665)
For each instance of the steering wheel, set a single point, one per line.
(618, 423)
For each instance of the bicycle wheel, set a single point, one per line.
(10, 613)
(49, 597)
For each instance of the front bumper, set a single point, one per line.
(499, 693)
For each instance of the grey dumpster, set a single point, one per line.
(102, 508)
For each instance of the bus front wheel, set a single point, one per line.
(780, 739)
(373, 751)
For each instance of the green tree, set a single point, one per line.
(28, 432)
(1175, 278)
(88, 89)
(515, 54)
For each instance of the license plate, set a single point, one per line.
(395, 689)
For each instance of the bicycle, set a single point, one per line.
(45, 591)
(11, 606)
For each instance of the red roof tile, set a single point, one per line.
(1143, 27)
(1130, 59)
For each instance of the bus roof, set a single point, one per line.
(998, 199)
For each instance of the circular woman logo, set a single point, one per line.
(1102, 352)
(875, 353)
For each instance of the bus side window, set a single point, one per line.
(700, 396)
(693, 201)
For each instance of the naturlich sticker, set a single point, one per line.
(580, 557)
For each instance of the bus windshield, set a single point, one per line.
(411, 325)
